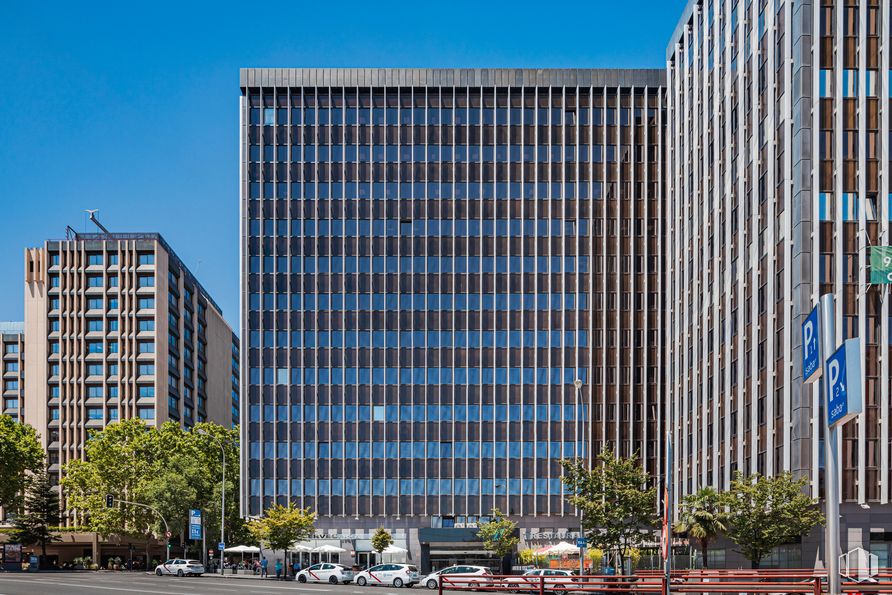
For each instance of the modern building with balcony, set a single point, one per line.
(117, 327)
(431, 260)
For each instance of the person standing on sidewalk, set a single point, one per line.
(263, 566)
(278, 570)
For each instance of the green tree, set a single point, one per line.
(618, 507)
(41, 514)
(381, 539)
(765, 512)
(120, 460)
(281, 526)
(499, 534)
(20, 453)
(702, 517)
(168, 468)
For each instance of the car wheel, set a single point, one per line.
(432, 584)
(302, 578)
(361, 581)
(179, 573)
(398, 583)
(158, 572)
(332, 580)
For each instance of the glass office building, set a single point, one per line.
(431, 259)
(778, 182)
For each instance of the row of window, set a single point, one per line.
(104, 392)
(416, 450)
(94, 347)
(96, 413)
(98, 258)
(430, 339)
(850, 207)
(381, 228)
(554, 153)
(436, 264)
(461, 302)
(99, 324)
(447, 116)
(106, 281)
(407, 487)
(419, 413)
(850, 87)
(418, 376)
(448, 190)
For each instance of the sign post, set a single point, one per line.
(581, 543)
(194, 524)
(827, 339)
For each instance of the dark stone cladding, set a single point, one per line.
(451, 77)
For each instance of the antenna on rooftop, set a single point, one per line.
(92, 213)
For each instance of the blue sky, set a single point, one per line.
(132, 108)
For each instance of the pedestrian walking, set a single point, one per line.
(263, 566)
(278, 570)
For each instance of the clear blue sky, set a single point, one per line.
(132, 108)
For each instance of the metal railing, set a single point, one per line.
(768, 582)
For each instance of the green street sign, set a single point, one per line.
(881, 265)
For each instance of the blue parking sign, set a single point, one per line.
(844, 383)
(581, 542)
(811, 347)
(194, 524)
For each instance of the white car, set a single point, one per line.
(180, 567)
(326, 572)
(397, 575)
(553, 579)
(461, 576)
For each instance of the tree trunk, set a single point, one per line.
(754, 564)
(704, 545)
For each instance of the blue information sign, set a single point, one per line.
(221, 546)
(844, 383)
(811, 347)
(194, 524)
(581, 542)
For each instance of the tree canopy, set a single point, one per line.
(702, 517)
(34, 527)
(618, 507)
(765, 512)
(381, 539)
(281, 526)
(499, 534)
(20, 453)
(168, 468)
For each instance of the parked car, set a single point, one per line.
(460, 575)
(397, 575)
(180, 567)
(326, 572)
(552, 579)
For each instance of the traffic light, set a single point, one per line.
(109, 501)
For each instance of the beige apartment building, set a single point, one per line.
(12, 344)
(117, 327)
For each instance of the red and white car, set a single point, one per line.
(396, 575)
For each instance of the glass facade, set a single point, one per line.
(778, 183)
(427, 270)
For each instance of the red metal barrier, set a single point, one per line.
(721, 582)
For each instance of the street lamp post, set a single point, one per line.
(580, 449)
(222, 494)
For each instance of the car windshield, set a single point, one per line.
(412, 569)
(193, 562)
